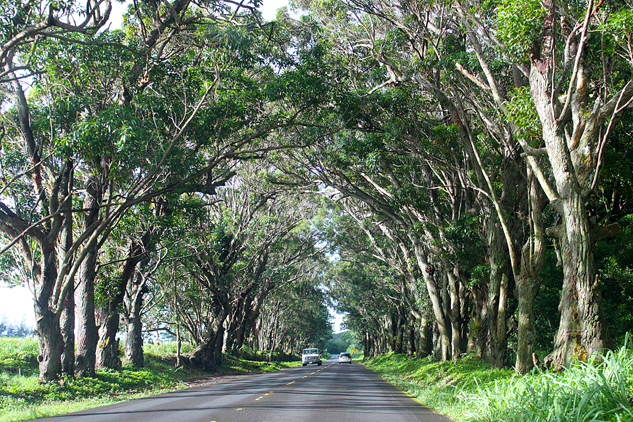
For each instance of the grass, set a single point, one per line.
(439, 385)
(471, 390)
(242, 366)
(23, 397)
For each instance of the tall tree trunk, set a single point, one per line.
(85, 295)
(497, 301)
(133, 299)
(580, 272)
(368, 346)
(67, 318)
(528, 286)
(454, 312)
(424, 346)
(134, 338)
(529, 281)
(108, 345)
(67, 327)
(249, 327)
(51, 343)
(567, 340)
(245, 325)
(428, 271)
(478, 336)
(46, 319)
(411, 337)
(569, 173)
(234, 323)
(177, 318)
(85, 315)
(399, 338)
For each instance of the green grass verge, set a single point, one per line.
(438, 385)
(23, 397)
(471, 390)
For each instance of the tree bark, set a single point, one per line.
(423, 345)
(529, 282)
(67, 318)
(85, 314)
(454, 312)
(133, 299)
(580, 272)
(108, 345)
(570, 167)
(50, 344)
(85, 295)
(428, 272)
(411, 337)
(67, 327)
(209, 354)
(134, 339)
(49, 335)
(567, 340)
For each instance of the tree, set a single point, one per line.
(152, 97)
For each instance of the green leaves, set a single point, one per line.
(521, 110)
(618, 30)
(519, 24)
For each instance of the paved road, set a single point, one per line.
(332, 392)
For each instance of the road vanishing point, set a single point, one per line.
(332, 392)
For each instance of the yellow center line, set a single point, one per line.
(261, 397)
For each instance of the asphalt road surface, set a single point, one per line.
(332, 392)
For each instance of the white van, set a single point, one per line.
(310, 356)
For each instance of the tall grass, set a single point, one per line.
(585, 392)
(471, 390)
(166, 349)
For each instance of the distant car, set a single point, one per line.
(310, 356)
(344, 358)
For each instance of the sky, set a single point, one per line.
(268, 8)
(16, 305)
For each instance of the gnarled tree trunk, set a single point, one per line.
(209, 353)
(573, 159)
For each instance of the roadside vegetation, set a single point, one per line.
(23, 397)
(470, 390)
